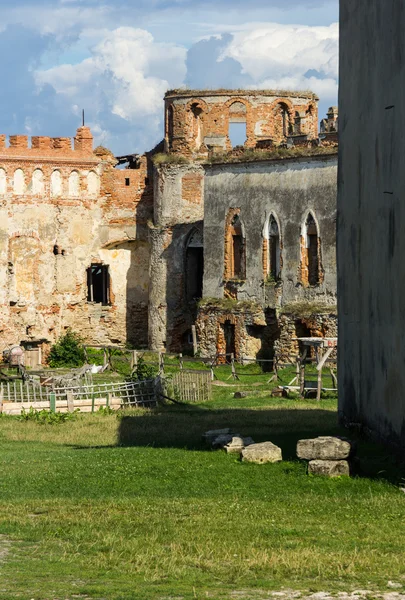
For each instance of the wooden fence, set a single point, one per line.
(16, 395)
(192, 386)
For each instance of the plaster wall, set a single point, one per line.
(288, 189)
(49, 236)
(178, 212)
(371, 213)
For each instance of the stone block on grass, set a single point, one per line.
(265, 452)
(209, 436)
(222, 440)
(324, 448)
(329, 468)
(237, 444)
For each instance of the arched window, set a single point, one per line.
(274, 258)
(235, 247)
(194, 267)
(56, 184)
(297, 123)
(237, 124)
(3, 182)
(37, 184)
(282, 123)
(74, 184)
(311, 271)
(19, 182)
(196, 112)
(93, 184)
(170, 126)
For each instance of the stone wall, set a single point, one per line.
(62, 210)
(290, 191)
(178, 214)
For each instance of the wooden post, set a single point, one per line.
(233, 373)
(1, 400)
(105, 360)
(52, 402)
(302, 371)
(319, 361)
(86, 358)
(181, 361)
(194, 334)
(108, 402)
(161, 363)
(70, 401)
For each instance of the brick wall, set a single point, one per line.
(197, 121)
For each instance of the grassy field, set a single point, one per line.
(136, 508)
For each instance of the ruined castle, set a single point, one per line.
(239, 242)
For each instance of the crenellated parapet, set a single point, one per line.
(44, 146)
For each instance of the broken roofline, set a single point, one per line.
(186, 93)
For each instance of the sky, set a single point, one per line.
(116, 58)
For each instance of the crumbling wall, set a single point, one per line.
(178, 212)
(61, 210)
(197, 121)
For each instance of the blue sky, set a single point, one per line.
(116, 58)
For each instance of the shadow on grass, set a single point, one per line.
(182, 427)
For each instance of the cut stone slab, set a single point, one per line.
(209, 436)
(241, 395)
(329, 468)
(324, 448)
(265, 452)
(237, 444)
(222, 440)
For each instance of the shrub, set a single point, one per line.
(68, 351)
(144, 371)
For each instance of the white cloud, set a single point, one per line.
(283, 54)
(125, 72)
(125, 77)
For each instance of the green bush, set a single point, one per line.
(144, 371)
(68, 351)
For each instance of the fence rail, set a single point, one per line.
(193, 386)
(15, 395)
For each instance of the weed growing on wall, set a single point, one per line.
(68, 351)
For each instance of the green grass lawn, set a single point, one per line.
(137, 508)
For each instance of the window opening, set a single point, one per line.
(98, 284)
(274, 249)
(312, 244)
(197, 112)
(237, 134)
(194, 266)
(170, 126)
(238, 249)
(127, 181)
(229, 334)
(297, 123)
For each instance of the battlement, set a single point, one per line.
(46, 146)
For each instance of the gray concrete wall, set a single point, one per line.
(289, 189)
(371, 213)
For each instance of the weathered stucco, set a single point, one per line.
(82, 212)
(371, 211)
(289, 190)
